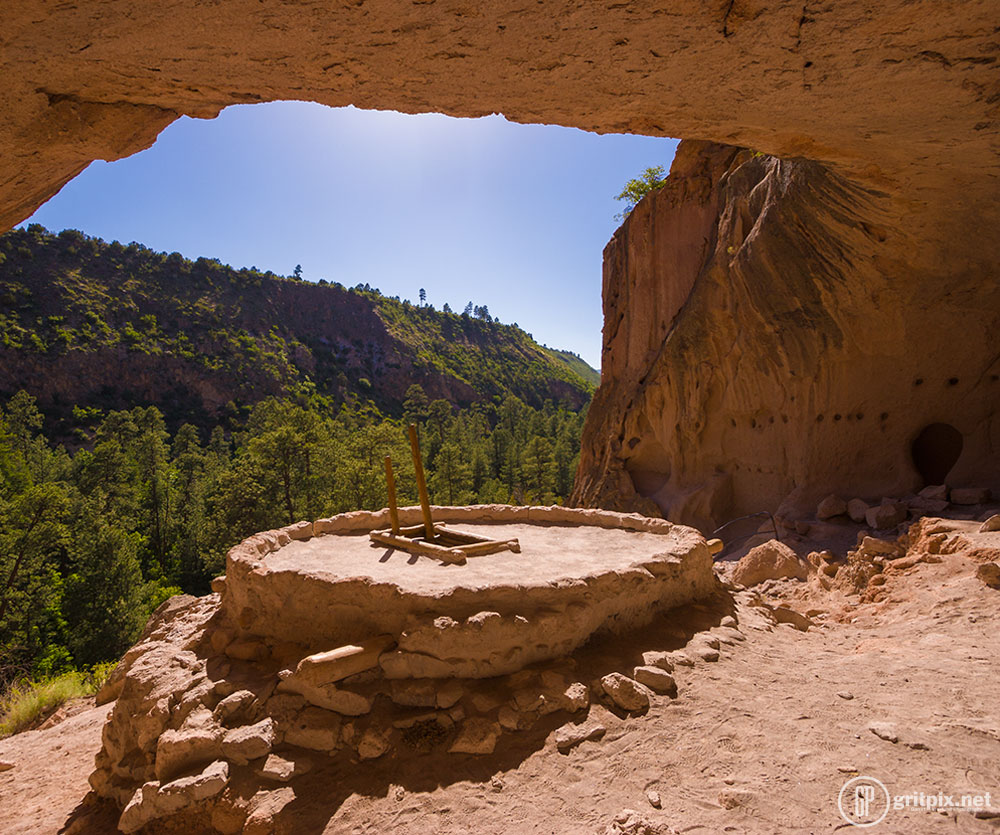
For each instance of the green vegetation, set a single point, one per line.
(650, 180)
(91, 541)
(86, 324)
(28, 702)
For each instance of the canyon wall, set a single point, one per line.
(780, 322)
(773, 334)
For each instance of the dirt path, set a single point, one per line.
(759, 741)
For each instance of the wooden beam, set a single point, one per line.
(418, 546)
(481, 549)
(418, 467)
(390, 486)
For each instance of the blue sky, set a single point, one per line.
(511, 216)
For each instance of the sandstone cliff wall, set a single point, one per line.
(773, 332)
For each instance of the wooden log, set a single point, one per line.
(481, 549)
(418, 546)
(418, 467)
(459, 537)
(390, 486)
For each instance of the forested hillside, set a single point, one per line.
(88, 325)
(91, 541)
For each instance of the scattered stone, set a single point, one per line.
(514, 720)
(917, 745)
(847, 769)
(576, 697)
(991, 524)
(283, 767)
(663, 660)
(831, 506)
(728, 620)
(729, 634)
(476, 736)
(873, 546)
(927, 506)
(772, 560)
(886, 516)
(705, 653)
(630, 822)
(625, 692)
(374, 743)
(857, 509)
(153, 801)
(935, 491)
(783, 614)
(970, 495)
(6, 765)
(414, 692)
(233, 705)
(315, 729)
(265, 806)
(884, 730)
(240, 745)
(656, 679)
(845, 695)
(449, 693)
(570, 735)
(197, 740)
(654, 798)
(327, 696)
(989, 573)
(484, 702)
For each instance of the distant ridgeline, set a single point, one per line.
(89, 325)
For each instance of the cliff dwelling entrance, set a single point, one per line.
(935, 451)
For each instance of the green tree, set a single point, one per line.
(650, 180)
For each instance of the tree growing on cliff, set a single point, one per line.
(635, 189)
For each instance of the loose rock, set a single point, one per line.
(831, 506)
(989, 573)
(625, 692)
(857, 509)
(970, 495)
(476, 736)
(656, 679)
(570, 735)
(772, 560)
(991, 524)
(884, 730)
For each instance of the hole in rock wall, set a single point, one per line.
(935, 451)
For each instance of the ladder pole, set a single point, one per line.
(390, 485)
(418, 468)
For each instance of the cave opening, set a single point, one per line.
(935, 451)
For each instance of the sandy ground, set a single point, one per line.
(760, 741)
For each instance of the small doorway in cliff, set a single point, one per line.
(935, 451)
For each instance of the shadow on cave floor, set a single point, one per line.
(320, 793)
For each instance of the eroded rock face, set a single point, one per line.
(774, 332)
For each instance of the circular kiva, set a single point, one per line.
(323, 584)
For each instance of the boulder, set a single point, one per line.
(831, 506)
(662, 660)
(783, 614)
(625, 692)
(771, 560)
(873, 547)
